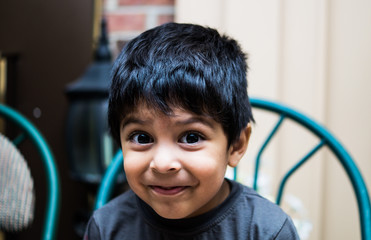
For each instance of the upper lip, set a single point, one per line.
(169, 182)
(168, 186)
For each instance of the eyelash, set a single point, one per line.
(198, 134)
(137, 133)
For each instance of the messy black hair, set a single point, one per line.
(186, 66)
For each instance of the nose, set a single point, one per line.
(165, 160)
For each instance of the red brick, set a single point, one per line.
(146, 2)
(165, 19)
(126, 22)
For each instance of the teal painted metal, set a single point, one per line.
(345, 159)
(296, 167)
(106, 187)
(19, 139)
(53, 187)
(261, 150)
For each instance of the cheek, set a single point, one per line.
(134, 164)
(206, 165)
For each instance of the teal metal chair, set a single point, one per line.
(30, 132)
(325, 138)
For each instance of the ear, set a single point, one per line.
(238, 148)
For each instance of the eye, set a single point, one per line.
(141, 138)
(191, 138)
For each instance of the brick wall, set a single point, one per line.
(128, 18)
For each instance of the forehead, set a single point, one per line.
(144, 114)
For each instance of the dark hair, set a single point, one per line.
(182, 65)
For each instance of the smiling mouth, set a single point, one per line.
(168, 190)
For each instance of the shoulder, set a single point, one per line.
(261, 206)
(257, 205)
(263, 218)
(123, 205)
(113, 217)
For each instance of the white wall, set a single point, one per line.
(315, 56)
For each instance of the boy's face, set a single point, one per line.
(176, 163)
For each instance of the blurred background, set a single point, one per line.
(313, 55)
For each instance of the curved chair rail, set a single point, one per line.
(53, 190)
(326, 139)
(284, 112)
(106, 187)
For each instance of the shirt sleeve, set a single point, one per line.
(92, 230)
(288, 231)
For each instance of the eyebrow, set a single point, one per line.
(133, 120)
(191, 120)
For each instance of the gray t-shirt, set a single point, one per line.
(243, 215)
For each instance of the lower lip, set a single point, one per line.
(168, 191)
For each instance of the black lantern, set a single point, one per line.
(89, 144)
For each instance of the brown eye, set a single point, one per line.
(141, 138)
(191, 138)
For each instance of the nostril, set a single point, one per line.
(164, 169)
(170, 170)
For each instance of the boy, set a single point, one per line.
(180, 110)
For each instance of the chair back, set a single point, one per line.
(325, 138)
(29, 131)
(17, 195)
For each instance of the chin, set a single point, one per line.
(172, 215)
